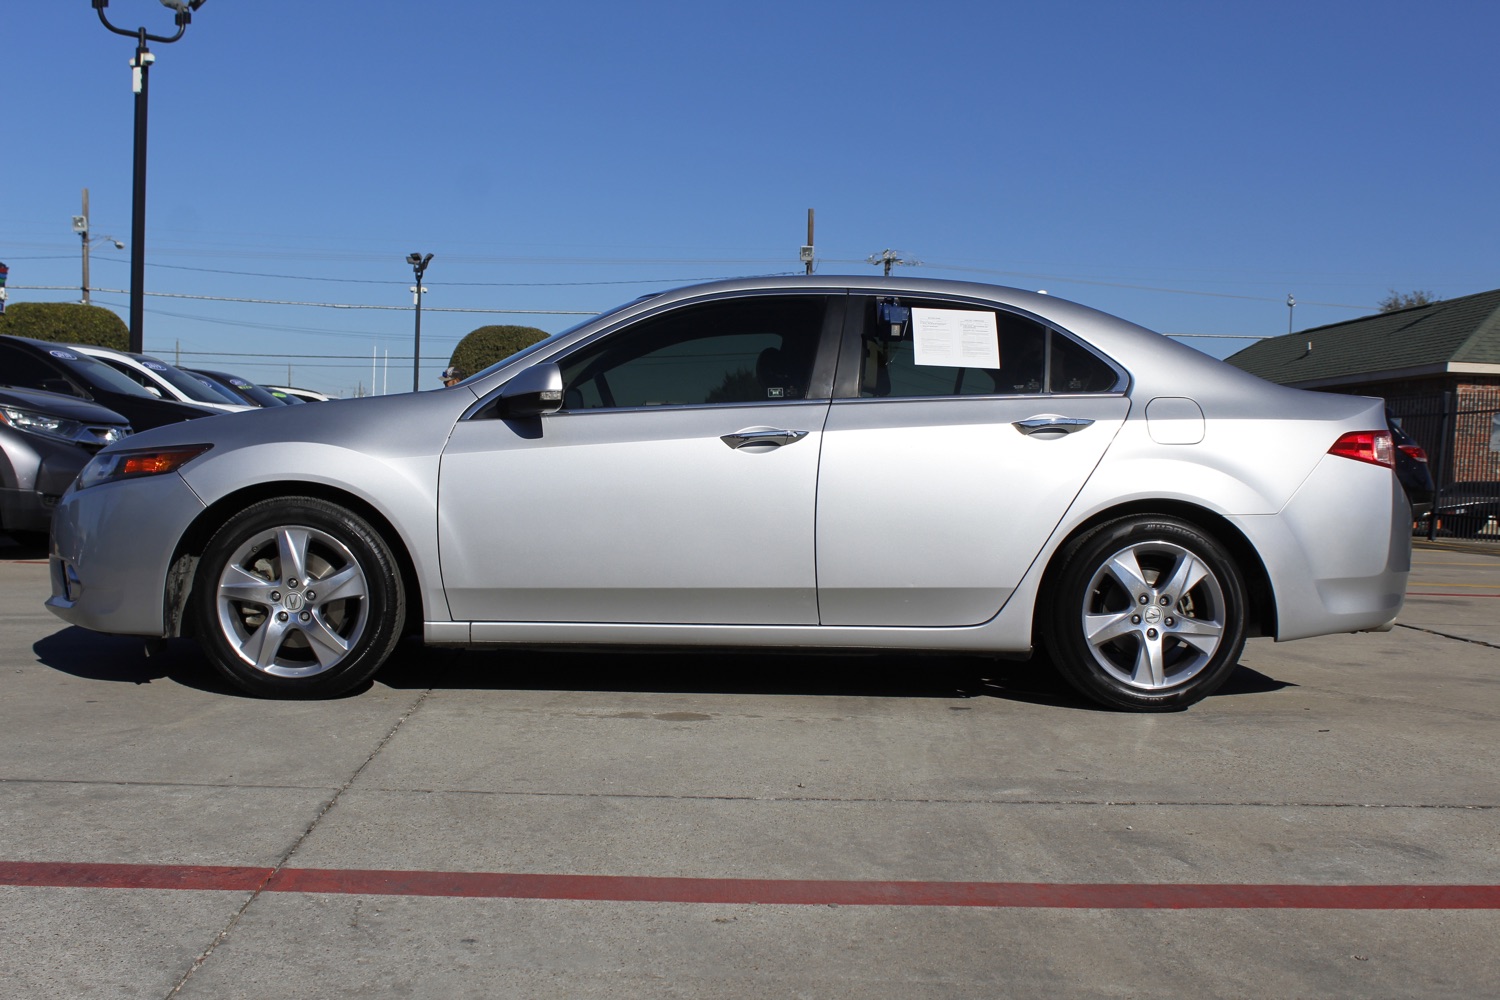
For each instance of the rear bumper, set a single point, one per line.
(1339, 553)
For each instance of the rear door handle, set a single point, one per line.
(774, 436)
(1050, 422)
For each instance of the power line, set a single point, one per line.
(316, 305)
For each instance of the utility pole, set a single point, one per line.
(81, 227)
(889, 258)
(807, 250)
(84, 234)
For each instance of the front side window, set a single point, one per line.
(915, 347)
(749, 350)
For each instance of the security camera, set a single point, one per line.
(180, 6)
(414, 258)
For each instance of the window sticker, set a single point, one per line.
(955, 338)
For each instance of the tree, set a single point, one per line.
(67, 323)
(488, 344)
(1406, 300)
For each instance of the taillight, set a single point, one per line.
(1415, 452)
(1375, 447)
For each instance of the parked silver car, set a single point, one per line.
(817, 462)
(46, 438)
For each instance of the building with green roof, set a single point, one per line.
(1436, 365)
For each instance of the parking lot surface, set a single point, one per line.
(483, 824)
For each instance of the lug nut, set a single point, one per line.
(305, 616)
(1151, 633)
(311, 596)
(281, 616)
(1168, 623)
(275, 595)
(1165, 600)
(1145, 599)
(1135, 619)
(292, 584)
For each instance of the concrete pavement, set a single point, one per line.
(1334, 762)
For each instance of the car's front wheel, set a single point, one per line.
(298, 597)
(1148, 614)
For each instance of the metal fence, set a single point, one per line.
(1460, 432)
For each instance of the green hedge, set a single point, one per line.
(67, 323)
(489, 344)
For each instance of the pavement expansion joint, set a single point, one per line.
(1446, 635)
(291, 851)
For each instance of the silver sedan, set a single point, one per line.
(818, 462)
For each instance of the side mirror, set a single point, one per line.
(534, 392)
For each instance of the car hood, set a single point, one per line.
(57, 405)
(406, 423)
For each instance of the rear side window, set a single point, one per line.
(915, 348)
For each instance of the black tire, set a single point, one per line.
(1120, 628)
(277, 630)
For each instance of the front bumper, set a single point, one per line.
(112, 548)
(42, 471)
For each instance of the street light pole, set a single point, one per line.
(140, 81)
(418, 267)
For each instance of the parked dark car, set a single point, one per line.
(1468, 509)
(51, 367)
(45, 439)
(1412, 469)
(242, 387)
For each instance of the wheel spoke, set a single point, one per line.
(291, 546)
(326, 644)
(347, 582)
(1126, 569)
(1150, 668)
(264, 643)
(1200, 633)
(1187, 574)
(239, 584)
(1099, 629)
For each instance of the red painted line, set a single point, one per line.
(786, 892)
(96, 876)
(1418, 594)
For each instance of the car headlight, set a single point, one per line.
(45, 424)
(109, 467)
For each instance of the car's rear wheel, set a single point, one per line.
(298, 597)
(1148, 614)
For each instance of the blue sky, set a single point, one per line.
(1185, 165)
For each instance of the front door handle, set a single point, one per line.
(774, 436)
(1045, 422)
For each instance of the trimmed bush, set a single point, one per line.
(488, 344)
(67, 323)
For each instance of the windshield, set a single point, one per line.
(101, 375)
(187, 384)
(553, 338)
(248, 391)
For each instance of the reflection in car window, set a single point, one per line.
(1027, 357)
(750, 350)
